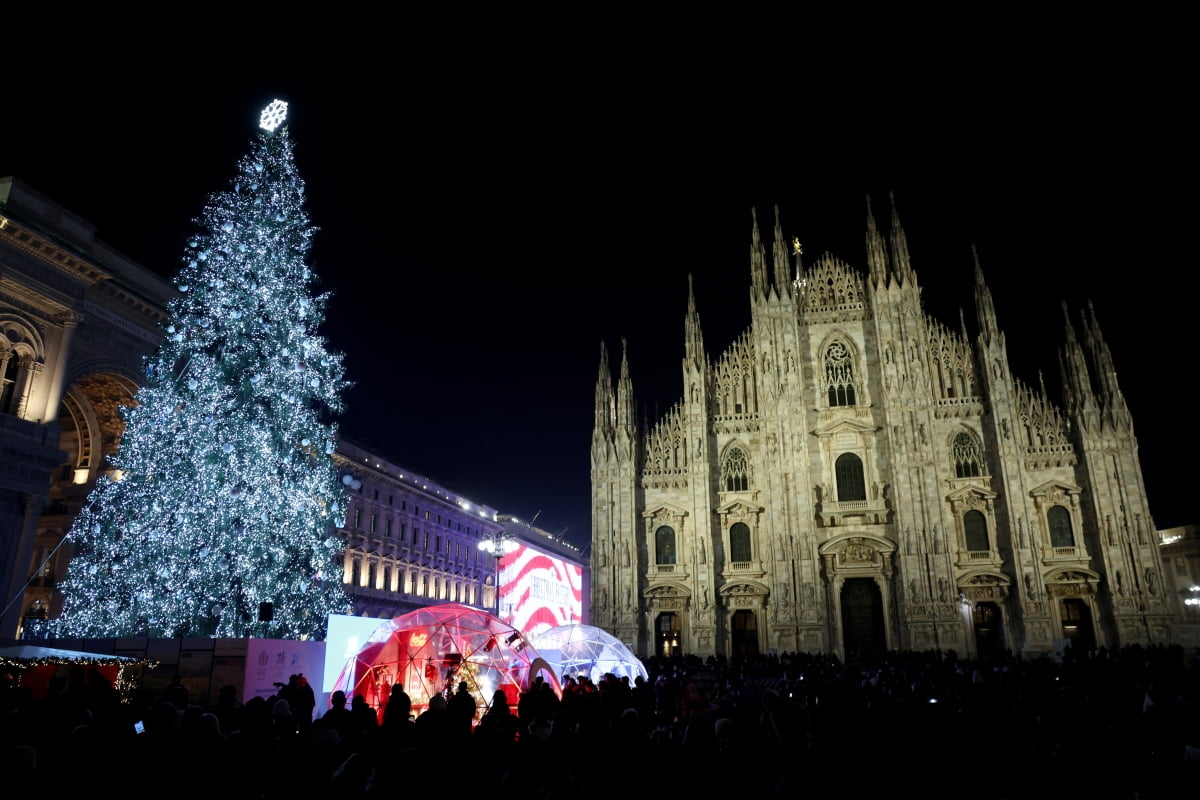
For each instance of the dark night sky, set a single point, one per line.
(482, 234)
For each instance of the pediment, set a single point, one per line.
(664, 510)
(985, 577)
(744, 588)
(1050, 486)
(663, 590)
(1073, 574)
(971, 491)
(854, 540)
(740, 507)
(834, 427)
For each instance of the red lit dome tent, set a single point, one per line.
(436, 648)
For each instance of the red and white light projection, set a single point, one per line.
(539, 591)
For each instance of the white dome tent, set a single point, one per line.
(584, 649)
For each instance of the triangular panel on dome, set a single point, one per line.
(434, 649)
(586, 649)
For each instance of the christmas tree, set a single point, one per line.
(218, 519)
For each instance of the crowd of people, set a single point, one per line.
(1120, 724)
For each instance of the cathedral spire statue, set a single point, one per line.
(625, 421)
(606, 413)
(1111, 398)
(1080, 401)
(758, 260)
(901, 264)
(693, 338)
(985, 309)
(876, 253)
(779, 252)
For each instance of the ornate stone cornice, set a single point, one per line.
(20, 238)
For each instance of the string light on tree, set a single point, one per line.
(229, 492)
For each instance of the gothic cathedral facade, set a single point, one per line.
(852, 476)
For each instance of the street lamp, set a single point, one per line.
(498, 545)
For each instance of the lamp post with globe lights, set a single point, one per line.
(498, 545)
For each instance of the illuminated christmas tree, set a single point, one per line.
(218, 518)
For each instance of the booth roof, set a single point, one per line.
(34, 654)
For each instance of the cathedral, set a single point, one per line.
(851, 476)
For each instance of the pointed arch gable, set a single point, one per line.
(737, 443)
(965, 447)
(954, 432)
(841, 336)
(735, 467)
(841, 370)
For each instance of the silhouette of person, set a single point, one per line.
(461, 708)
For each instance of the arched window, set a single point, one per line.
(966, 456)
(975, 531)
(8, 381)
(739, 542)
(664, 545)
(839, 376)
(735, 471)
(850, 483)
(1059, 521)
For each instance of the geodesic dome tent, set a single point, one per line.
(575, 649)
(436, 648)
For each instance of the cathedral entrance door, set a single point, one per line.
(989, 632)
(745, 633)
(1077, 625)
(862, 617)
(666, 633)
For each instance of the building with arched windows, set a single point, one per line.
(76, 320)
(851, 475)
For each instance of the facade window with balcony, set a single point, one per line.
(975, 531)
(851, 485)
(739, 543)
(1058, 520)
(664, 545)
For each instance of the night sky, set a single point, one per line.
(482, 235)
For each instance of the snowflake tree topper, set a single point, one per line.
(273, 115)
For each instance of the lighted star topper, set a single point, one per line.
(273, 115)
